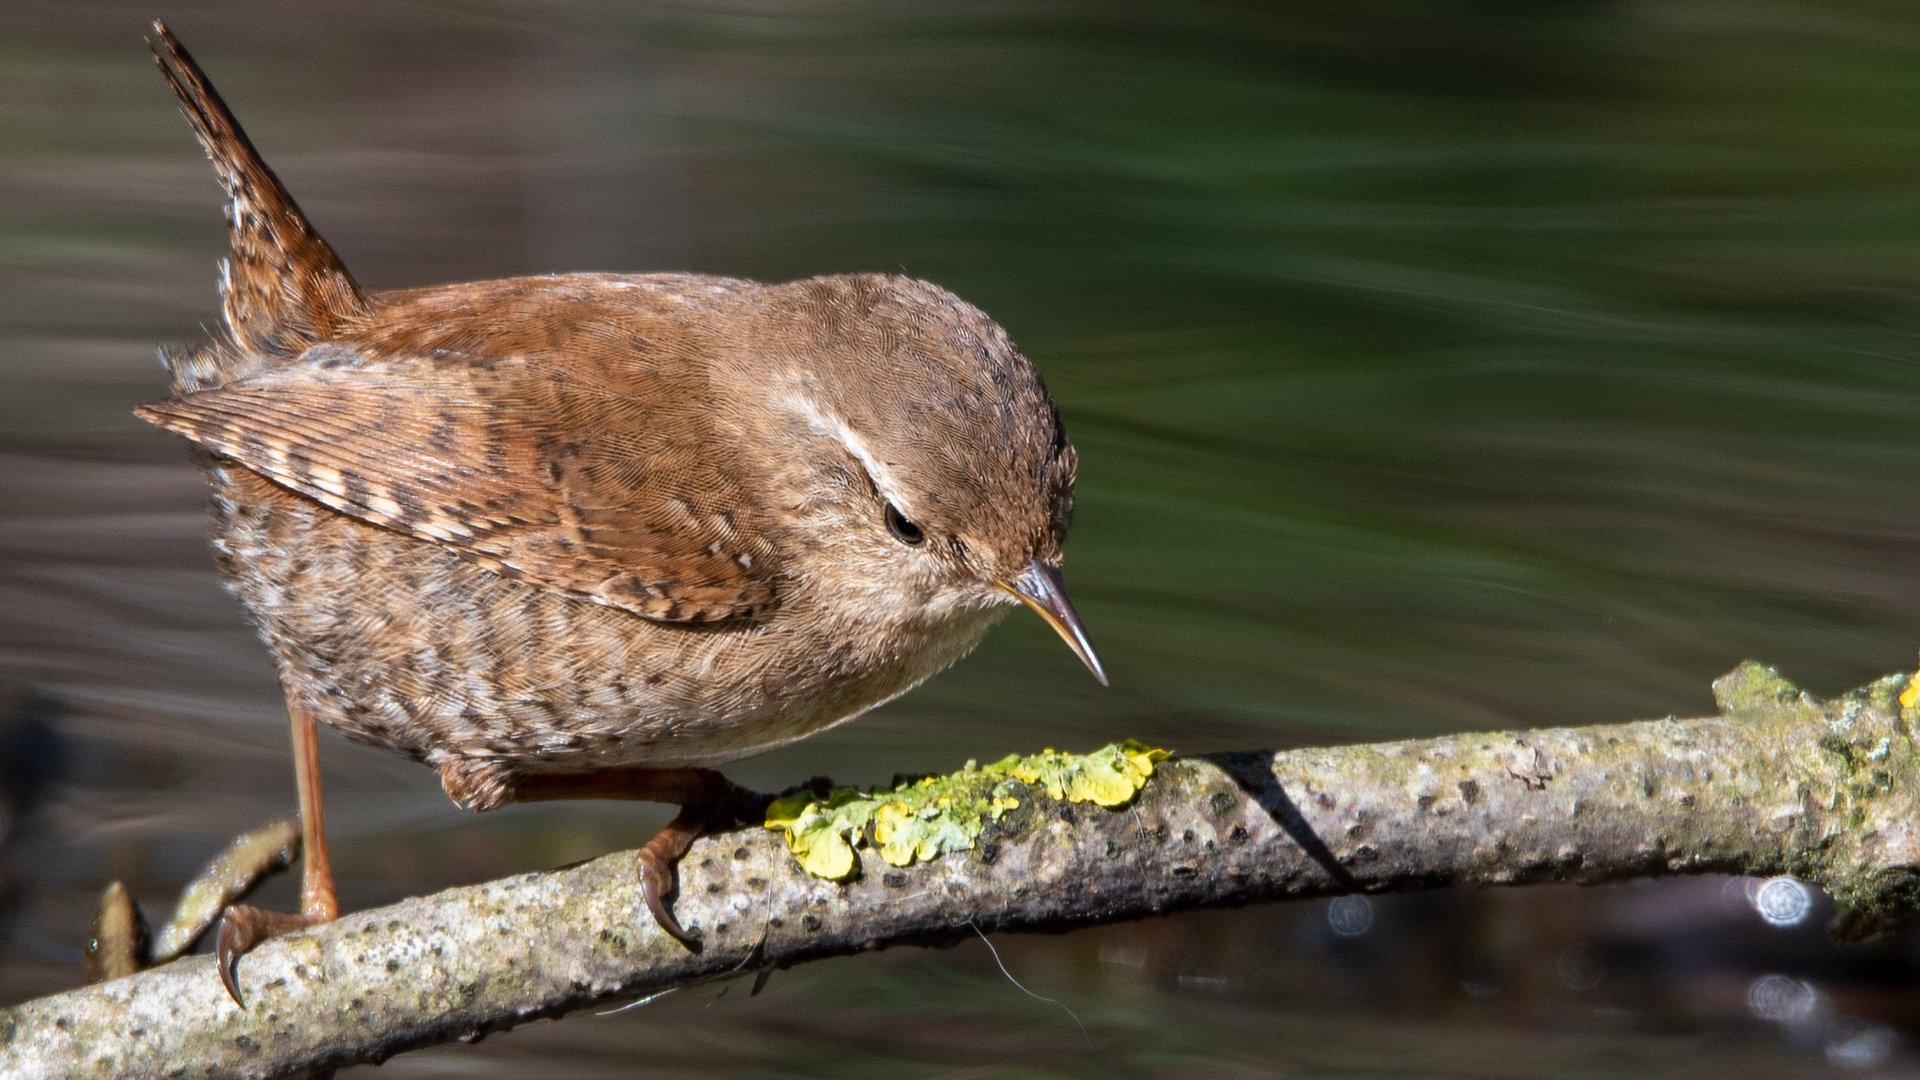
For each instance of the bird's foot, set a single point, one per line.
(707, 800)
(243, 927)
(711, 803)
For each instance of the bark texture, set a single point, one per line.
(1779, 783)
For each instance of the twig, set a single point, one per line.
(1779, 784)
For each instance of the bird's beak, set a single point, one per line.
(1040, 589)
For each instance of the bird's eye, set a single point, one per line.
(903, 530)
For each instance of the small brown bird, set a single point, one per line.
(584, 535)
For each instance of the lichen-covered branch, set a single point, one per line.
(1779, 783)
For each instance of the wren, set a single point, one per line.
(588, 535)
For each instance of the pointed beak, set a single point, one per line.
(1040, 589)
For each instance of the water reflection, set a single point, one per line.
(1858, 1044)
(1580, 966)
(1438, 368)
(1782, 901)
(1782, 999)
(1350, 916)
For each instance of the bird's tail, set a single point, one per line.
(283, 287)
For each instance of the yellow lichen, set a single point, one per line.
(821, 832)
(925, 818)
(1107, 777)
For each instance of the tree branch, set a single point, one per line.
(1779, 783)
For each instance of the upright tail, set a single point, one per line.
(283, 288)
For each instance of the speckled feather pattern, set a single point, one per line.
(419, 642)
(566, 523)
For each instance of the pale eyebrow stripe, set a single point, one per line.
(837, 428)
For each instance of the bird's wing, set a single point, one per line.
(528, 468)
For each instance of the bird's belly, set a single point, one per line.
(406, 645)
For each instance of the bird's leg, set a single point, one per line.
(707, 801)
(242, 927)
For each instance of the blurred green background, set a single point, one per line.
(1434, 366)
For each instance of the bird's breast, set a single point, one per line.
(405, 644)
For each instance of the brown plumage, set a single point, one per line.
(581, 535)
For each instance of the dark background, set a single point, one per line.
(1434, 366)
